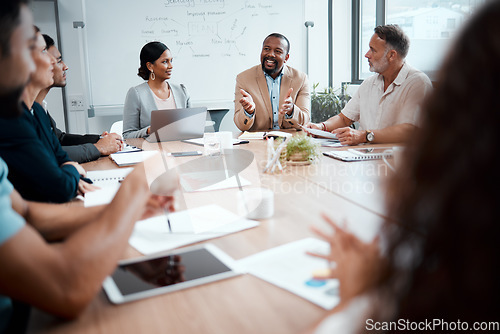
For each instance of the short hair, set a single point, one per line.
(10, 11)
(48, 40)
(149, 54)
(280, 36)
(395, 37)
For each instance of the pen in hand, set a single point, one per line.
(86, 179)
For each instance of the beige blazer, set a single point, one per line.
(254, 82)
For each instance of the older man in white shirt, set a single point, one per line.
(386, 105)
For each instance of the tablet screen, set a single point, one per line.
(167, 270)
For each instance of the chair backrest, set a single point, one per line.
(117, 127)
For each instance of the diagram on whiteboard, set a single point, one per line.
(211, 42)
(190, 25)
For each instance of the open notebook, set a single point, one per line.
(360, 154)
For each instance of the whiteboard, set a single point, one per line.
(211, 42)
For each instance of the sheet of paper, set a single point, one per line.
(190, 226)
(200, 142)
(290, 268)
(206, 181)
(101, 196)
(131, 158)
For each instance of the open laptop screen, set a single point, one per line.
(177, 124)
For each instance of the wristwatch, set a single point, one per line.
(370, 136)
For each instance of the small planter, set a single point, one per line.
(302, 150)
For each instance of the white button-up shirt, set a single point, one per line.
(400, 103)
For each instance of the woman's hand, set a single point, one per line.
(356, 264)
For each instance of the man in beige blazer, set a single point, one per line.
(272, 95)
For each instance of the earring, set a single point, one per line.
(153, 75)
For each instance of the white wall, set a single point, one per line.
(315, 10)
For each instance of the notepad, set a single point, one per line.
(131, 158)
(262, 135)
(108, 181)
(129, 148)
(320, 133)
(109, 176)
(361, 154)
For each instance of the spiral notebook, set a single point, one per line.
(360, 154)
(103, 178)
(108, 181)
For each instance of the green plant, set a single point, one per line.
(303, 146)
(327, 103)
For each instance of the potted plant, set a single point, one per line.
(302, 149)
(327, 103)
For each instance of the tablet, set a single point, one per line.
(166, 272)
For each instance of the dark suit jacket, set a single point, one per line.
(80, 148)
(34, 156)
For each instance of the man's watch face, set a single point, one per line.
(369, 136)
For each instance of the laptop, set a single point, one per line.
(177, 124)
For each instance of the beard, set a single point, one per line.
(267, 70)
(11, 103)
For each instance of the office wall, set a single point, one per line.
(314, 10)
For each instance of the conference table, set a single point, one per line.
(350, 192)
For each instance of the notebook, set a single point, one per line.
(360, 154)
(102, 178)
(262, 135)
(177, 124)
(108, 182)
(321, 133)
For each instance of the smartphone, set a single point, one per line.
(185, 154)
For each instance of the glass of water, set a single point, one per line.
(211, 144)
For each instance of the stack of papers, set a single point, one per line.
(189, 226)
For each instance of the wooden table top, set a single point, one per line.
(349, 191)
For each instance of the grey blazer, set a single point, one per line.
(139, 103)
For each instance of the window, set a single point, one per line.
(430, 25)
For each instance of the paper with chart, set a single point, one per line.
(189, 226)
(109, 182)
(289, 267)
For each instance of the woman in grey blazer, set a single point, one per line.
(156, 93)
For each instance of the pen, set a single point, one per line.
(86, 179)
(165, 210)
